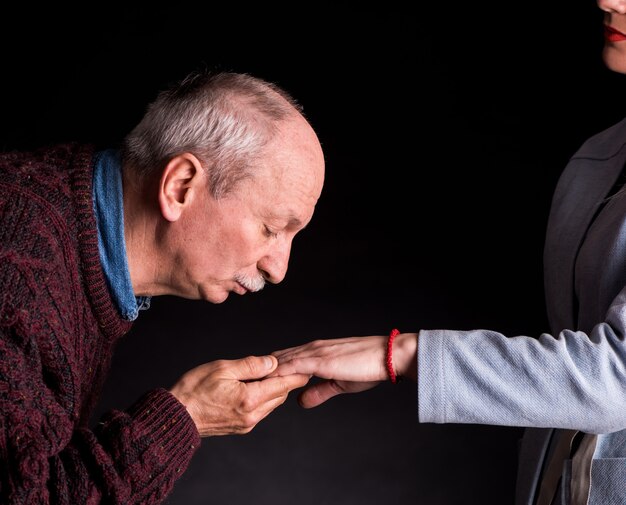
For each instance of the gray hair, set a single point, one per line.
(224, 119)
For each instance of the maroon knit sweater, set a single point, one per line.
(58, 329)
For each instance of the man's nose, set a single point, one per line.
(273, 266)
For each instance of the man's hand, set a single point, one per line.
(231, 396)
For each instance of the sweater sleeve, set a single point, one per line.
(571, 380)
(48, 456)
(52, 358)
(144, 450)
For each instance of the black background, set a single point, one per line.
(445, 128)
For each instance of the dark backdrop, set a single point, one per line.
(444, 128)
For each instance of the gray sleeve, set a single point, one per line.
(570, 380)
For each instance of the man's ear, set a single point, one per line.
(180, 180)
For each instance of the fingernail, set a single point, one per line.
(269, 363)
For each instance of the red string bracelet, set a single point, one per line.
(390, 370)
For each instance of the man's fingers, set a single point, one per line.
(278, 387)
(302, 365)
(270, 406)
(287, 368)
(253, 367)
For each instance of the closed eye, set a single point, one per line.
(269, 233)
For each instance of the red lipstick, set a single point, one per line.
(613, 35)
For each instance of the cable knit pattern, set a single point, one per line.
(58, 330)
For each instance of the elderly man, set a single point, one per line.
(203, 198)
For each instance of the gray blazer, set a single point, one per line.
(572, 378)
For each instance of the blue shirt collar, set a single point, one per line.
(108, 206)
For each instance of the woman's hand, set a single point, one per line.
(348, 365)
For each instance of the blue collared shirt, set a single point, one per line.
(108, 206)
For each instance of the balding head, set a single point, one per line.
(225, 119)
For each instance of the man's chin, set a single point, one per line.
(216, 298)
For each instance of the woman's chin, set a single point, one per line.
(614, 58)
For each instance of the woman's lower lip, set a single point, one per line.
(615, 38)
(613, 35)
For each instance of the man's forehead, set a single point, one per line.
(286, 217)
